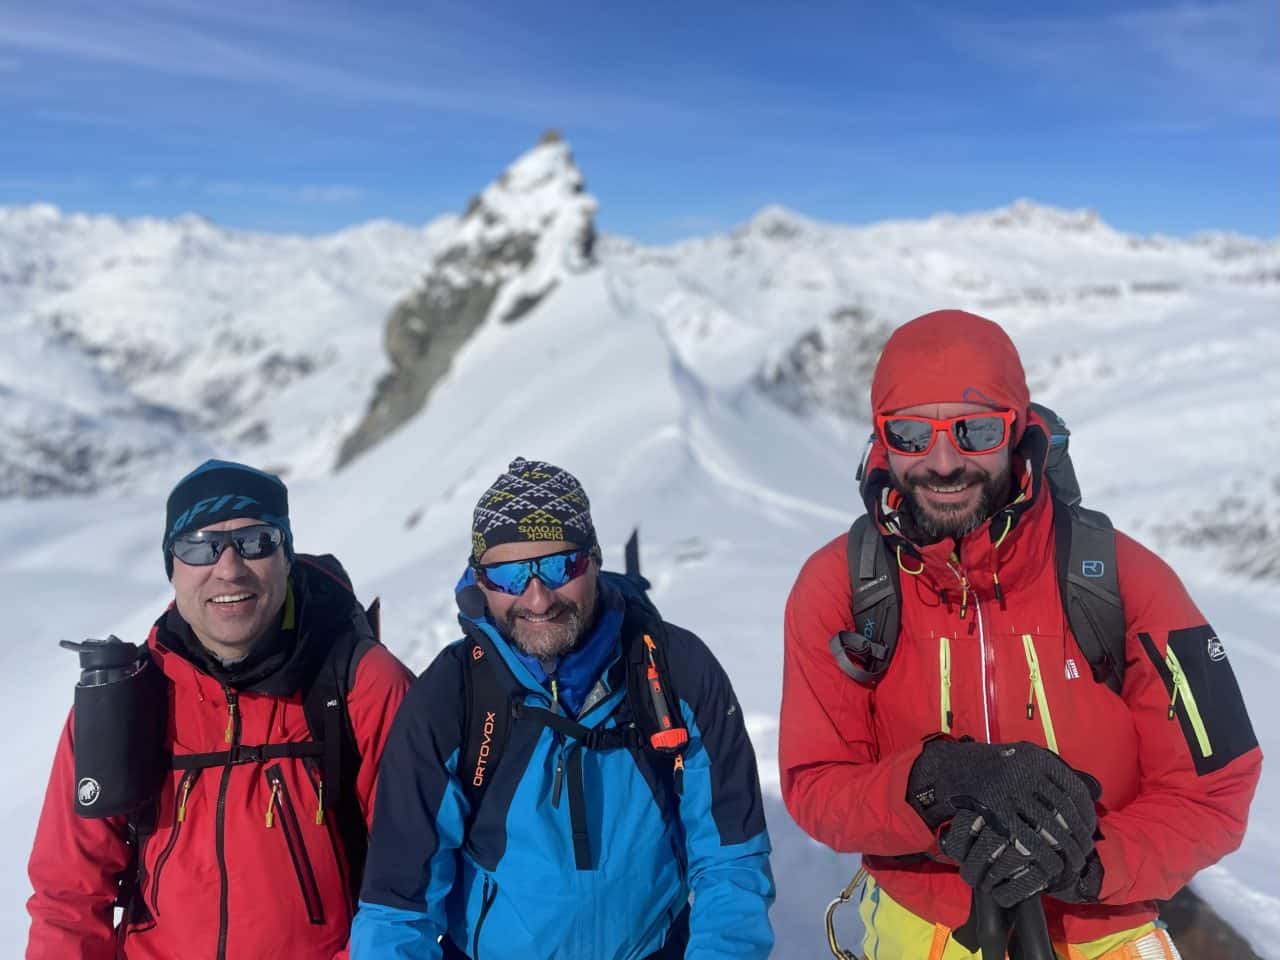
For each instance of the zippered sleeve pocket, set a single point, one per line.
(281, 814)
(1203, 696)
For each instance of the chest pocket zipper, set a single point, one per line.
(293, 838)
(1182, 688)
(1036, 696)
(179, 817)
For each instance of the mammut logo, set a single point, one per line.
(1093, 569)
(88, 791)
(1216, 650)
(208, 505)
(490, 718)
(477, 652)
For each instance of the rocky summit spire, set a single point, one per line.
(517, 240)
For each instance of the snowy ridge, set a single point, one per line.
(663, 379)
(517, 241)
(172, 337)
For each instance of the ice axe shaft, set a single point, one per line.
(1031, 931)
(990, 925)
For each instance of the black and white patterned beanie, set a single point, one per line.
(532, 501)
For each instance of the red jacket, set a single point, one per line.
(219, 881)
(1176, 792)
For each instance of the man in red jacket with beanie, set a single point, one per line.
(249, 846)
(985, 762)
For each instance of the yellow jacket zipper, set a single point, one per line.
(1036, 691)
(1182, 687)
(944, 671)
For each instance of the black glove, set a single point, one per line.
(1082, 887)
(1022, 792)
(1011, 862)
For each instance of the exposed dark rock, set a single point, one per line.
(527, 302)
(1199, 932)
(514, 239)
(829, 366)
(423, 334)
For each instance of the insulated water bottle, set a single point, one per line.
(119, 727)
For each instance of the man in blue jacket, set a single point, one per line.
(573, 778)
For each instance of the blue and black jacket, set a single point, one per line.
(509, 878)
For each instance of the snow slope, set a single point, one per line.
(643, 376)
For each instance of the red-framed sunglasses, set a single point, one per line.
(972, 433)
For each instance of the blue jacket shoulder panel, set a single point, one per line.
(701, 683)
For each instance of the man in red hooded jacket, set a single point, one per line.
(247, 851)
(986, 762)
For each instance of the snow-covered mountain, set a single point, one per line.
(131, 344)
(711, 392)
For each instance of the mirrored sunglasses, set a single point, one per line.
(204, 547)
(554, 570)
(971, 433)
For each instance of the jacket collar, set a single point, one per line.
(317, 607)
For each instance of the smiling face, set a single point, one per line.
(542, 622)
(232, 604)
(950, 493)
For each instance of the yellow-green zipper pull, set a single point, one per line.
(1182, 688)
(944, 667)
(182, 804)
(555, 696)
(320, 803)
(271, 802)
(1037, 696)
(231, 717)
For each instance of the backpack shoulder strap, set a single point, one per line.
(324, 704)
(1089, 584)
(486, 724)
(864, 652)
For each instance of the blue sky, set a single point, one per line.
(685, 117)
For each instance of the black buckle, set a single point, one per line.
(245, 754)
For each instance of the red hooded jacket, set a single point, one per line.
(237, 867)
(1174, 752)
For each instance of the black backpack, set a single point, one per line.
(1085, 546)
(494, 704)
(332, 747)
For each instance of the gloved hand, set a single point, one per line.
(1026, 808)
(1009, 861)
(1082, 887)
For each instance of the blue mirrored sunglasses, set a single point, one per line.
(554, 570)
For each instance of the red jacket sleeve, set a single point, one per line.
(73, 869)
(834, 782)
(1200, 766)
